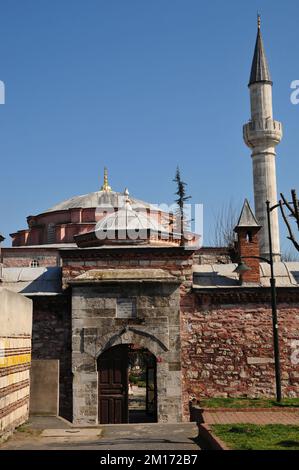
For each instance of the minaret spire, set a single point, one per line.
(105, 186)
(262, 134)
(259, 68)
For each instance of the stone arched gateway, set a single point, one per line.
(99, 323)
(119, 399)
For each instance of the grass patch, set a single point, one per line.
(253, 437)
(247, 403)
(26, 430)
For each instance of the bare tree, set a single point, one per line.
(293, 208)
(180, 201)
(225, 221)
(288, 256)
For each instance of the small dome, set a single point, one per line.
(126, 218)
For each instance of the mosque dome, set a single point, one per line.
(104, 197)
(97, 199)
(80, 218)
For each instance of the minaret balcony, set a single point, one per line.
(262, 131)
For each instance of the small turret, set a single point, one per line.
(247, 230)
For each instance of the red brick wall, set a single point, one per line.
(18, 258)
(178, 264)
(249, 248)
(222, 347)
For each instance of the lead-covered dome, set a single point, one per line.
(100, 210)
(98, 199)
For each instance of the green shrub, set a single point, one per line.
(141, 383)
(133, 379)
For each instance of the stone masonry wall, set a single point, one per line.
(212, 255)
(96, 327)
(160, 319)
(51, 339)
(227, 350)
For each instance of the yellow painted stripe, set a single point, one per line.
(14, 360)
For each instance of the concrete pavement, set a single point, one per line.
(54, 434)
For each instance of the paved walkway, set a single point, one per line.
(254, 417)
(46, 433)
(54, 434)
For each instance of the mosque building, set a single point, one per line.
(112, 278)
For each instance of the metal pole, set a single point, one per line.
(274, 312)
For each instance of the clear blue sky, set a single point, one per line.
(140, 86)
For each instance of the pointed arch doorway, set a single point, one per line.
(127, 385)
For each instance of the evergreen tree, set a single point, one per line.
(180, 201)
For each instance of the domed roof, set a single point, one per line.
(127, 225)
(96, 199)
(126, 218)
(105, 197)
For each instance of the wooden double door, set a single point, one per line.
(113, 382)
(113, 385)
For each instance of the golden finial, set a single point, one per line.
(258, 21)
(105, 186)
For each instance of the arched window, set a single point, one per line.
(34, 263)
(249, 237)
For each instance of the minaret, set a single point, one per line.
(262, 134)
